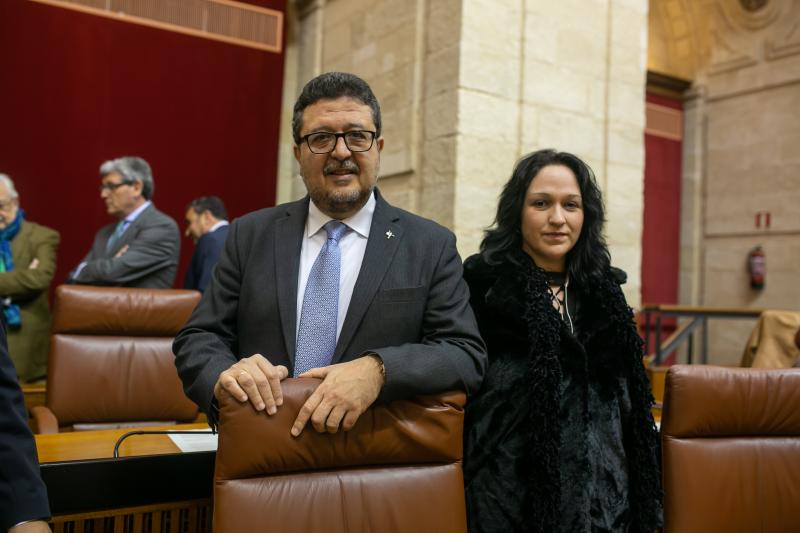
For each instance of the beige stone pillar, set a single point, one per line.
(568, 75)
(468, 86)
(691, 240)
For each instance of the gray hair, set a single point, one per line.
(131, 169)
(12, 191)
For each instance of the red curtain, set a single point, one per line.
(78, 89)
(662, 223)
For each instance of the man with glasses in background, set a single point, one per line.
(27, 265)
(339, 286)
(139, 250)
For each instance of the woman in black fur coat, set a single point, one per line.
(560, 436)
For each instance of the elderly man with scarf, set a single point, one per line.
(27, 266)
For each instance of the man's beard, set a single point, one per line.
(339, 201)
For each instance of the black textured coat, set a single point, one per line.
(560, 436)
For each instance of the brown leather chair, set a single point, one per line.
(398, 469)
(731, 449)
(111, 361)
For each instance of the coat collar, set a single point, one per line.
(506, 289)
(288, 243)
(385, 235)
(130, 232)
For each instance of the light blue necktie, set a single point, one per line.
(118, 231)
(316, 338)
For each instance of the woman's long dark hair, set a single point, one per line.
(589, 258)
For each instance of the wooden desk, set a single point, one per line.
(78, 445)
(151, 487)
(34, 394)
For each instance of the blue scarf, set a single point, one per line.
(10, 310)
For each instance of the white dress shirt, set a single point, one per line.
(352, 245)
(218, 225)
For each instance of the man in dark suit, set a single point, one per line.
(207, 225)
(23, 496)
(141, 249)
(339, 285)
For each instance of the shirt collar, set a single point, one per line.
(218, 225)
(360, 222)
(138, 211)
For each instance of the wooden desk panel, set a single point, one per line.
(151, 487)
(81, 445)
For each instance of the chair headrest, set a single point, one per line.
(709, 401)
(424, 430)
(82, 309)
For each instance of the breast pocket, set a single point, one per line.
(403, 294)
(399, 313)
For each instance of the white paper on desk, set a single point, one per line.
(201, 442)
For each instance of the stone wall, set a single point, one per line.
(753, 164)
(741, 158)
(468, 86)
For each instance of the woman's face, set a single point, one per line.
(552, 217)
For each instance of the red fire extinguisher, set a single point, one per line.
(757, 266)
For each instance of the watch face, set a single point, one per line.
(753, 5)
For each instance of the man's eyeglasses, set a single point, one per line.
(324, 143)
(112, 186)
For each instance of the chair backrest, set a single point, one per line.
(397, 470)
(111, 355)
(731, 449)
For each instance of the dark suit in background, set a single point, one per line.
(151, 261)
(204, 259)
(410, 305)
(23, 495)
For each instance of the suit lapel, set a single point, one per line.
(128, 236)
(20, 246)
(385, 235)
(288, 243)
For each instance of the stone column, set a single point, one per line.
(468, 86)
(690, 279)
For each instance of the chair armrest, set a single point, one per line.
(44, 421)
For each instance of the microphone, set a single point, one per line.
(158, 432)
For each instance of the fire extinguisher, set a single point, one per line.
(757, 266)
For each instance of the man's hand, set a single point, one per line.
(121, 252)
(256, 379)
(37, 526)
(346, 391)
(34, 264)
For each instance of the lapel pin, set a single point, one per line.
(389, 234)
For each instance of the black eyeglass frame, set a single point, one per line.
(113, 186)
(343, 135)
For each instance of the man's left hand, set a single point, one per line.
(346, 391)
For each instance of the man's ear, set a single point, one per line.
(137, 186)
(296, 150)
(380, 143)
(208, 219)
